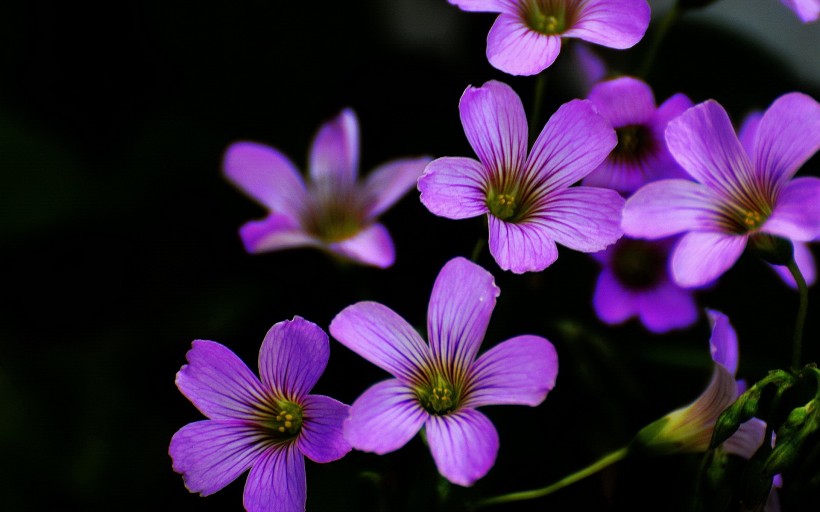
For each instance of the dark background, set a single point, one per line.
(119, 246)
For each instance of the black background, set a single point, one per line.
(119, 246)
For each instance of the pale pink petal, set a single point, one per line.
(277, 481)
(521, 247)
(454, 187)
(334, 153)
(746, 439)
(321, 438)
(586, 219)
(514, 48)
(386, 184)
(612, 23)
(275, 232)
(623, 101)
(613, 303)
(804, 259)
(701, 257)
(668, 207)
(464, 445)
(666, 307)
(796, 214)
(293, 356)
(370, 246)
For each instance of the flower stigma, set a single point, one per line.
(438, 397)
(545, 17)
(502, 205)
(287, 421)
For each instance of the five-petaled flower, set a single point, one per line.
(526, 37)
(268, 425)
(736, 195)
(440, 385)
(333, 211)
(528, 199)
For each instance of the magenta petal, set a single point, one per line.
(805, 262)
(293, 356)
(668, 207)
(384, 418)
(321, 438)
(700, 258)
(748, 131)
(796, 214)
(787, 136)
(514, 48)
(613, 303)
(746, 439)
(454, 187)
(460, 307)
(481, 5)
(379, 335)
(674, 106)
(612, 23)
(667, 307)
(464, 445)
(807, 11)
(519, 371)
(495, 124)
(389, 182)
(370, 246)
(218, 383)
(266, 175)
(624, 101)
(585, 219)
(334, 154)
(521, 247)
(277, 481)
(723, 343)
(210, 454)
(277, 231)
(575, 140)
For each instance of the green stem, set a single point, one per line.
(537, 105)
(479, 246)
(660, 34)
(802, 310)
(593, 468)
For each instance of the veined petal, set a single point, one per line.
(384, 418)
(210, 454)
(266, 175)
(787, 136)
(521, 247)
(623, 101)
(334, 154)
(746, 439)
(454, 187)
(293, 356)
(575, 140)
(275, 232)
(585, 219)
(514, 48)
(321, 438)
(723, 342)
(674, 106)
(701, 257)
(796, 214)
(519, 371)
(370, 246)
(218, 383)
(277, 481)
(460, 307)
(379, 335)
(464, 445)
(612, 23)
(668, 207)
(748, 131)
(613, 303)
(482, 5)
(805, 262)
(666, 307)
(495, 125)
(389, 182)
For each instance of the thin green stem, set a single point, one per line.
(479, 246)
(802, 310)
(537, 105)
(660, 34)
(593, 468)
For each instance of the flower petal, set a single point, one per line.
(275, 232)
(293, 356)
(454, 187)
(612, 23)
(334, 154)
(266, 175)
(585, 219)
(277, 481)
(613, 303)
(623, 101)
(514, 48)
(746, 439)
(805, 262)
(796, 214)
(481, 5)
(807, 11)
(668, 207)
(386, 184)
(748, 131)
(321, 438)
(521, 247)
(210, 454)
(787, 136)
(370, 246)
(575, 141)
(464, 445)
(701, 257)
(519, 371)
(666, 307)
(384, 418)
(218, 383)
(723, 342)
(461, 304)
(379, 335)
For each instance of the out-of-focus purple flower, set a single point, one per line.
(528, 199)
(440, 385)
(641, 155)
(736, 195)
(526, 37)
(806, 10)
(333, 211)
(635, 281)
(267, 425)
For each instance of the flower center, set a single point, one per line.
(502, 205)
(286, 423)
(638, 264)
(438, 396)
(334, 218)
(548, 17)
(634, 141)
(745, 219)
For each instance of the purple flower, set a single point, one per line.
(527, 198)
(736, 195)
(526, 37)
(268, 426)
(440, 385)
(635, 281)
(806, 10)
(641, 155)
(333, 211)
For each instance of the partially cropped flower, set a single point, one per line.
(635, 282)
(689, 429)
(440, 385)
(736, 195)
(333, 211)
(268, 426)
(526, 37)
(641, 155)
(806, 10)
(528, 199)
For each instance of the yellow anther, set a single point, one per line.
(281, 429)
(289, 417)
(288, 424)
